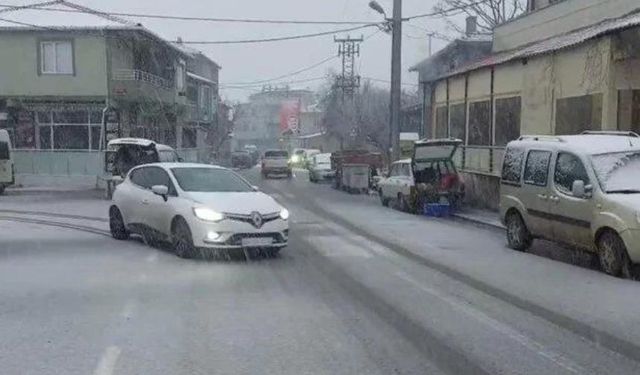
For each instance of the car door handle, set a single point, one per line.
(542, 196)
(145, 201)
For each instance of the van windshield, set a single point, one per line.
(618, 172)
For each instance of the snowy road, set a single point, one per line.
(339, 300)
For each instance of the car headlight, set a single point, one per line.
(284, 214)
(207, 214)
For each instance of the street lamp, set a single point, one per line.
(396, 73)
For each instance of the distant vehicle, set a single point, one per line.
(580, 190)
(7, 171)
(340, 159)
(308, 153)
(198, 208)
(254, 152)
(241, 159)
(275, 162)
(320, 168)
(122, 154)
(297, 157)
(428, 177)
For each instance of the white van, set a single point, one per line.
(7, 172)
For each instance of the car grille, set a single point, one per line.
(236, 239)
(247, 218)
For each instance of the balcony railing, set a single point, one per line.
(142, 76)
(197, 114)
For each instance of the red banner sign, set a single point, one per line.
(290, 116)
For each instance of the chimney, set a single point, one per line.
(472, 26)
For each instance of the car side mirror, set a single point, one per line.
(160, 190)
(117, 179)
(180, 160)
(255, 188)
(578, 189)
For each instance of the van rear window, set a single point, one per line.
(4, 151)
(276, 154)
(512, 165)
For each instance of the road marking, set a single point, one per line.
(152, 258)
(335, 246)
(108, 361)
(525, 341)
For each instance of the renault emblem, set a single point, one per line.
(257, 219)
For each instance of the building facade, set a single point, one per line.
(562, 68)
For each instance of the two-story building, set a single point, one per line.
(561, 68)
(57, 82)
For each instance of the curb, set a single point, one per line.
(478, 221)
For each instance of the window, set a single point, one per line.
(139, 177)
(56, 57)
(569, 168)
(629, 110)
(69, 130)
(205, 101)
(536, 169)
(458, 121)
(405, 169)
(512, 165)
(480, 123)
(157, 176)
(507, 120)
(4, 151)
(394, 170)
(441, 122)
(180, 76)
(210, 180)
(577, 114)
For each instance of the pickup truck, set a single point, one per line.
(276, 162)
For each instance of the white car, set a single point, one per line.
(397, 186)
(197, 207)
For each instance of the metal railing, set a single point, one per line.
(142, 76)
(479, 159)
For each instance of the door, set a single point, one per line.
(136, 192)
(535, 193)
(572, 215)
(404, 179)
(157, 211)
(390, 188)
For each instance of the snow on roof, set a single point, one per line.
(200, 78)
(555, 43)
(590, 144)
(409, 136)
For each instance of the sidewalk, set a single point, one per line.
(480, 216)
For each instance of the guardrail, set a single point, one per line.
(480, 159)
(58, 162)
(142, 76)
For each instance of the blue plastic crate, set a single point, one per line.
(437, 209)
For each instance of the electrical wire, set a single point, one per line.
(445, 12)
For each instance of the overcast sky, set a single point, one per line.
(253, 62)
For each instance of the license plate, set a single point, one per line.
(257, 241)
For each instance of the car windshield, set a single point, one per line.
(210, 180)
(618, 172)
(323, 159)
(276, 154)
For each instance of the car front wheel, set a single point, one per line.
(518, 236)
(116, 224)
(182, 240)
(612, 254)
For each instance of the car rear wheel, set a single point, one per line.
(182, 240)
(383, 200)
(612, 254)
(116, 224)
(518, 236)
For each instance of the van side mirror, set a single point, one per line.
(160, 190)
(578, 189)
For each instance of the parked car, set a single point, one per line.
(307, 155)
(276, 162)
(320, 168)
(297, 157)
(580, 190)
(7, 171)
(197, 208)
(430, 176)
(254, 152)
(241, 159)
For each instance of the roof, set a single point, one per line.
(192, 52)
(200, 78)
(409, 136)
(555, 43)
(402, 161)
(470, 40)
(590, 144)
(138, 28)
(131, 141)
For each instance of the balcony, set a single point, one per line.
(142, 76)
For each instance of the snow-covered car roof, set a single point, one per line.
(590, 144)
(402, 161)
(131, 141)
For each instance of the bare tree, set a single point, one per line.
(489, 13)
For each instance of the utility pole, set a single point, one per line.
(396, 77)
(430, 38)
(348, 81)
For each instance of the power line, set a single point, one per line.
(388, 82)
(30, 6)
(282, 38)
(192, 18)
(223, 86)
(323, 61)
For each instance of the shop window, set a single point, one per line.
(71, 137)
(577, 114)
(457, 121)
(441, 122)
(629, 110)
(480, 123)
(507, 120)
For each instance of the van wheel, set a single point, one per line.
(612, 254)
(518, 236)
